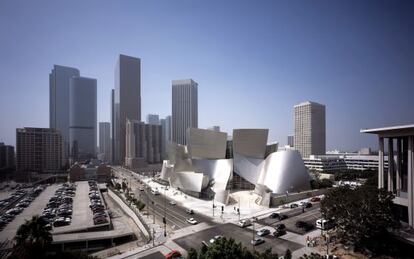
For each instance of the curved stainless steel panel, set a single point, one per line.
(206, 144)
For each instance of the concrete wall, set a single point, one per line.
(130, 213)
(282, 199)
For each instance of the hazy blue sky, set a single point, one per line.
(253, 60)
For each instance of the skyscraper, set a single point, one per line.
(38, 150)
(83, 118)
(291, 140)
(59, 102)
(153, 119)
(105, 141)
(184, 108)
(166, 135)
(6, 156)
(113, 159)
(127, 101)
(310, 129)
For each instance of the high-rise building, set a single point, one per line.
(184, 108)
(113, 159)
(127, 101)
(166, 135)
(59, 102)
(105, 141)
(310, 125)
(83, 118)
(143, 142)
(291, 140)
(38, 150)
(6, 156)
(153, 119)
(214, 128)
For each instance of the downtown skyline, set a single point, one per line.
(249, 77)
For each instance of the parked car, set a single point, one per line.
(192, 221)
(294, 205)
(283, 216)
(263, 232)
(173, 203)
(257, 241)
(189, 211)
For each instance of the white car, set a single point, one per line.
(244, 223)
(192, 221)
(173, 203)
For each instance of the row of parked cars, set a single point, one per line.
(24, 198)
(59, 209)
(98, 209)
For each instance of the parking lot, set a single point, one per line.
(243, 235)
(35, 208)
(82, 217)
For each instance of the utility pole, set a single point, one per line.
(153, 210)
(165, 211)
(253, 233)
(153, 237)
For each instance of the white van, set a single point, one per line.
(155, 192)
(324, 224)
(244, 223)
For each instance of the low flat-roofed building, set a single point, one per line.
(399, 142)
(82, 172)
(334, 163)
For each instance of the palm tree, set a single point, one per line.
(32, 239)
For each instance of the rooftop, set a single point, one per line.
(401, 130)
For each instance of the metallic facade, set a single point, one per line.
(206, 144)
(83, 118)
(127, 100)
(275, 172)
(184, 108)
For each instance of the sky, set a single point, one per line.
(253, 60)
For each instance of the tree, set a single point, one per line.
(31, 239)
(288, 254)
(224, 248)
(362, 216)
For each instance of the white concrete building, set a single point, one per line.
(310, 129)
(398, 142)
(184, 108)
(127, 100)
(334, 163)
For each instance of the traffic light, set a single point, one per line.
(222, 208)
(164, 220)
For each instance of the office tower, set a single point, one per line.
(184, 109)
(310, 133)
(113, 159)
(59, 102)
(6, 156)
(166, 135)
(143, 143)
(82, 122)
(214, 128)
(291, 140)
(127, 102)
(153, 119)
(105, 141)
(39, 150)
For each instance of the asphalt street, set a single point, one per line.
(243, 235)
(159, 205)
